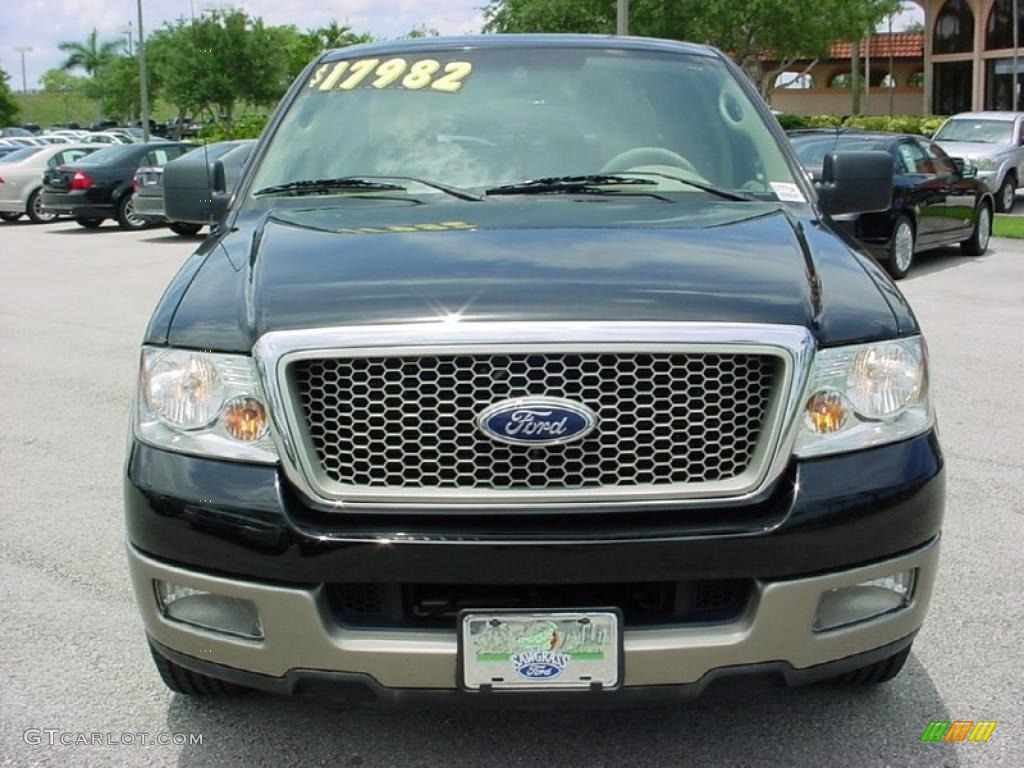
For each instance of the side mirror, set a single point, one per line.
(194, 191)
(219, 188)
(965, 170)
(855, 182)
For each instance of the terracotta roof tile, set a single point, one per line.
(904, 45)
(898, 44)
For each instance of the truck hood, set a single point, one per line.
(396, 261)
(971, 149)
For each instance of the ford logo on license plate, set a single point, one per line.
(537, 421)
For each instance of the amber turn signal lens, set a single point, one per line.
(245, 419)
(826, 412)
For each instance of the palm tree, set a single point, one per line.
(88, 56)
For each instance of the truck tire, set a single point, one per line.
(88, 223)
(187, 682)
(1006, 197)
(977, 243)
(880, 672)
(185, 229)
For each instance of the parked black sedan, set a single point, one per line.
(99, 186)
(937, 201)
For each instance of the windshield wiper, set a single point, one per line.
(725, 194)
(361, 184)
(595, 183)
(458, 192)
(312, 186)
(568, 184)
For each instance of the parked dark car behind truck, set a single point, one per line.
(936, 201)
(530, 370)
(99, 187)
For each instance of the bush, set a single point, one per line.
(924, 125)
(249, 127)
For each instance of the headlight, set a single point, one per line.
(203, 403)
(865, 395)
(987, 163)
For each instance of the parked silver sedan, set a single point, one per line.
(21, 178)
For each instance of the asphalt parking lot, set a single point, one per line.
(73, 305)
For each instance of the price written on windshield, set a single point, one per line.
(395, 72)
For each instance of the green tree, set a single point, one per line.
(117, 86)
(225, 60)
(220, 60)
(303, 47)
(745, 29)
(61, 81)
(8, 106)
(422, 31)
(89, 55)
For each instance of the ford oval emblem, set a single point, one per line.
(537, 421)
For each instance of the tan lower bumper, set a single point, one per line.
(300, 634)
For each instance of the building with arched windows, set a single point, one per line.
(969, 55)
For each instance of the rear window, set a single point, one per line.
(111, 155)
(20, 154)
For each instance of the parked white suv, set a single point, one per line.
(993, 142)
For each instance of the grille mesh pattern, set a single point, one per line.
(410, 422)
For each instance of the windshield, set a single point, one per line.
(486, 117)
(20, 154)
(984, 131)
(812, 148)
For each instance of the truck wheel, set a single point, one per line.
(36, 213)
(88, 223)
(901, 249)
(880, 672)
(187, 682)
(977, 243)
(1006, 197)
(126, 216)
(185, 229)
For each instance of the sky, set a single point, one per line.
(42, 24)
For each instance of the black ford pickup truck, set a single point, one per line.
(531, 370)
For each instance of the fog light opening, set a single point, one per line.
(208, 610)
(844, 606)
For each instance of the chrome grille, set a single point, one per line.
(408, 422)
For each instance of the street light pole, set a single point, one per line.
(1016, 21)
(24, 80)
(143, 95)
(622, 18)
(128, 31)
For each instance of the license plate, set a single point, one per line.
(540, 650)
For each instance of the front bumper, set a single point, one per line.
(303, 645)
(240, 530)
